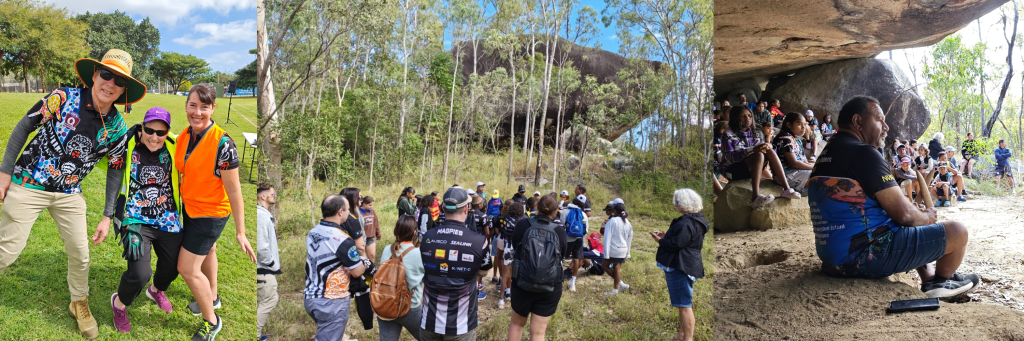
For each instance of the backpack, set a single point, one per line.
(389, 293)
(538, 265)
(494, 207)
(575, 223)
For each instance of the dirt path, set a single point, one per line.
(768, 286)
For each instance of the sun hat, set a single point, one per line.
(478, 184)
(456, 197)
(120, 63)
(157, 113)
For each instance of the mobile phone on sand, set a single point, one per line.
(913, 305)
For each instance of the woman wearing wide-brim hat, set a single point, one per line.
(75, 128)
(208, 162)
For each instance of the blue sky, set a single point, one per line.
(219, 31)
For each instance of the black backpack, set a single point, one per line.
(538, 264)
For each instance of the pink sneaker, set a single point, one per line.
(159, 298)
(121, 322)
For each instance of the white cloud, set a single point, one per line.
(242, 30)
(164, 11)
(229, 61)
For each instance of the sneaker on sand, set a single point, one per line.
(480, 286)
(623, 287)
(160, 299)
(121, 322)
(194, 306)
(482, 296)
(949, 289)
(86, 323)
(208, 331)
(572, 286)
(961, 199)
(501, 304)
(790, 194)
(975, 279)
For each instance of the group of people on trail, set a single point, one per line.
(865, 226)
(169, 194)
(430, 280)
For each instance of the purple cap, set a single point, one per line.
(157, 113)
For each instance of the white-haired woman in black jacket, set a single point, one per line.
(679, 255)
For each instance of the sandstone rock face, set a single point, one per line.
(825, 88)
(764, 38)
(733, 213)
(601, 64)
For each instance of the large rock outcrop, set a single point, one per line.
(764, 38)
(825, 88)
(600, 64)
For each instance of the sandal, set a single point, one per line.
(790, 194)
(762, 199)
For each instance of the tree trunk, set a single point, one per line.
(512, 133)
(42, 76)
(373, 146)
(987, 131)
(451, 115)
(550, 59)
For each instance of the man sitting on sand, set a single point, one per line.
(864, 227)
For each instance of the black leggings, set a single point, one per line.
(134, 279)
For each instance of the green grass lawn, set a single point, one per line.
(34, 296)
(644, 313)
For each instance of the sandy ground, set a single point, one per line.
(769, 286)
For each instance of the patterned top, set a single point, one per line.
(330, 255)
(787, 143)
(71, 139)
(151, 197)
(736, 146)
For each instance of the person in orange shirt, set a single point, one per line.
(207, 160)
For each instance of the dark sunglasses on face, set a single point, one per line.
(118, 80)
(152, 131)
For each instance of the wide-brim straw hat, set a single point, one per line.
(120, 63)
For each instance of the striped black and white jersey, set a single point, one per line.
(330, 254)
(452, 254)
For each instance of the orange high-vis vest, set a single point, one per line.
(202, 192)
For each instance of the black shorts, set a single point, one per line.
(737, 171)
(1004, 171)
(615, 260)
(574, 250)
(199, 234)
(525, 302)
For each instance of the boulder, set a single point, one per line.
(733, 212)
(591, 62)
(768, 38)
(825, 88)
(572, 163)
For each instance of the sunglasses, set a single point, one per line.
(118, 80)
(152, 131)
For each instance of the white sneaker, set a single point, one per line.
(501, 304)
(612, 293)
(623, 286)
(790, 194)
(572, 287)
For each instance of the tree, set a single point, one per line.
(42, 39)
(246, 76)
(118, 31)
(177, 68)
(987, 130)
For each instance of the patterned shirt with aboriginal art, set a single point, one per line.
(850, 225)
(330, 255)
(151, 197)
(736, 146)
(71, 139)
(227, 153)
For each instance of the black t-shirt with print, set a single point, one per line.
(786, 143)
(351, 226)
(150, 185)
(847, 157)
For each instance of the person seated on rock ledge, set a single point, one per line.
(905, 173)
(864, 227)
(794, 164)
(744, 156)
(958, 181)
(941, 187)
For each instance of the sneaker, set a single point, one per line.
(482, 296)
(208, 331)
(508, 294)
(961, 199)
(262, 338)
(949, 289)
(612, 293)
(572, 286)
(946, 203)
(975, 279)
(160, 299)
(86, 323)
(194, 306)
(494, 279)
(790, 194)
(761, 200)
(623, 287)
(480, 286)
(501, 304)
(938, 203)
(121, 322)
